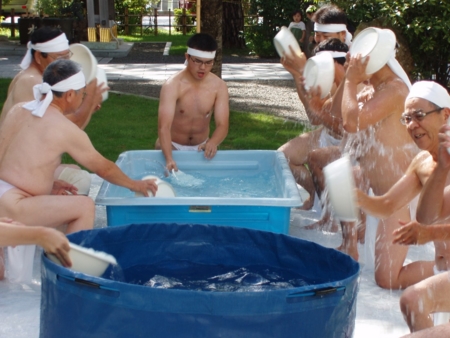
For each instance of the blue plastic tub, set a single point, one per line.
(77, 305)
(270, 213)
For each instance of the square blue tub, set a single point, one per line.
(269, 212)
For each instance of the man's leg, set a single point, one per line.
(441, 331)
(389, 258)
(78, 212)
(296, 152)
(421, 300)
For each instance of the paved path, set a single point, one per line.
(9, 67)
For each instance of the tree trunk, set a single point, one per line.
(211, 23)
(233, 24)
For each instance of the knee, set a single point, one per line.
(410, 302)
(386, 280)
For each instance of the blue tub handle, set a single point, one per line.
(324, 292)
(92, 286)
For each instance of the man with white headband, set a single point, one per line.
(188, 100)
(328, 134)
(381, 145)
(425, 303)
(331, 22)
(48, 44)
(34, 137)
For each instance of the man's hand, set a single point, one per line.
(55, 242)
(411, 233)
(293, 62)
(444, 144)
(356, 70)
(63, 188)
(143, 186)
(171, 165)
(210, 149)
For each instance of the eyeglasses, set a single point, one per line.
(61, 57)
(418, 115)
(198, 62)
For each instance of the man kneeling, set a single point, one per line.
(34, 136)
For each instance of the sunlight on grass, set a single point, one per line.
(127, 122)
(179, 41)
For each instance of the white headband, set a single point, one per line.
(398, 70)
(201, 53)
(430, 91)
(334, 54)
(38, 107)
(58, 44)
(334, 28)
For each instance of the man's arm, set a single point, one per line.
(76, 143)
(221, 119)
(383, 104)
(434, 203)
(166, 113)
(403, 191)
(416, 233)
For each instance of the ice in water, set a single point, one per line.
(191, 276)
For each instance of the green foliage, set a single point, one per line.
(424, 24)
(52, 7)
(178, 20)
(275, 13)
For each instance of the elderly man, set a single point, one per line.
(188, 100)
(34, 136)
(427, 107)
(46, 45)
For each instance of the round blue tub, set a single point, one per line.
(78, 305)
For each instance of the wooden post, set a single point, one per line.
(156, 21)
(13, 25)
(183, 20)
(142, 17)
(170, 23)
(198, 16)
(127, 32)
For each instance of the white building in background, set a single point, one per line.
(165, 5)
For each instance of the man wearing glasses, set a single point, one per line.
(188, 100)
(427, 108)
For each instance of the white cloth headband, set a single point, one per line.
(430, 91)
(38, 107)
(58, 44)
(334, 28)
(201, 53)
(398, 70)
(334, 54)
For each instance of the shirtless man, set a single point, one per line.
(46, 45)
(420, 301)
(384, 149)
(188, 100)
(330, 23)
(329, 133)
(34, 136)
(427, 107)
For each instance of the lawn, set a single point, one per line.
(127, 122)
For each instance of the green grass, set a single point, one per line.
(128, 122)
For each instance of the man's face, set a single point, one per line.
(65, 54)
(199, 67)
(424, 129)
(322, 36)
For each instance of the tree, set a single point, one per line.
(423, 23)
(233, 24)
(211, 23)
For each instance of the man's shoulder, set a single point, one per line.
(28, 77)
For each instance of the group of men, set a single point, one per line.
(391, 129)
(394, 134)
(48, 106)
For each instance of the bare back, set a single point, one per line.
(385, 147)
(31, 148)
(21, 89)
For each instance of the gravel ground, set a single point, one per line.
(273, 97)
